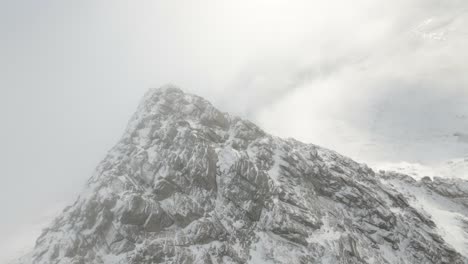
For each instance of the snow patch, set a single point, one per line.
(275, 171)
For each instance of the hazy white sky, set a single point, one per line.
(374, 79)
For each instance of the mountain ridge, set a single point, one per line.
(188, 183)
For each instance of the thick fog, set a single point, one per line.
(380, 81)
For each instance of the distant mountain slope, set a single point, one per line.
(444, 200)
(455, 168)
(190, 184)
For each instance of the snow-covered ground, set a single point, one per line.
(450, 216)
(455, 168)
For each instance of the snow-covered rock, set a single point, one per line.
(443, 200)
(190, 184)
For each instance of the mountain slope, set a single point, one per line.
(190, 184)
(444, 200)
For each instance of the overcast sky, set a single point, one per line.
(376, 80)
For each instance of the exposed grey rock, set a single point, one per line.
(190, 184)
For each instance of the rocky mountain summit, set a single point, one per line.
(190, 184)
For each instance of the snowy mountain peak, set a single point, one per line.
(188, 183)
(171, 102)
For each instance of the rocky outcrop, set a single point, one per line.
(190, 184)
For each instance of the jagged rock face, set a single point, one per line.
(190, 184)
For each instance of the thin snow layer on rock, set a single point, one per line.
(445, 201)
(190, 184)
